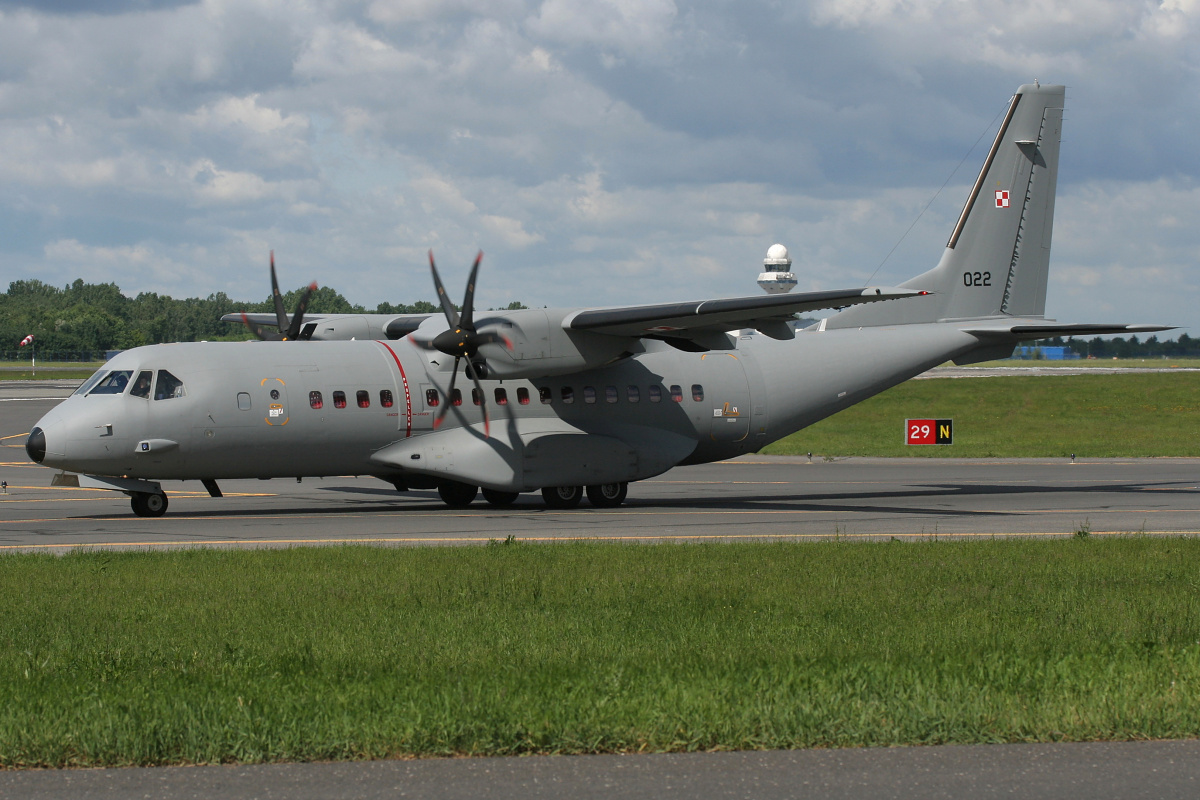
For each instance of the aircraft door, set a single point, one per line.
(727, 392)
(271, 402)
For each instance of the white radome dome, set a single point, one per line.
(777, 277)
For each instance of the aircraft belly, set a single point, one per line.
(528, 454)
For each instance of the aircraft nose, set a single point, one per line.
(35, 445)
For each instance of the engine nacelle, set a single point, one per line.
(540, 345)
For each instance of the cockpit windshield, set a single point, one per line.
(90, 382)
(113, 383)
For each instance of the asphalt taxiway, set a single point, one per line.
(750, 497)
(753, 497)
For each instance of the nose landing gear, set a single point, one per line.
(145, 504)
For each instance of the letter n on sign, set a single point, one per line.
(929, 431)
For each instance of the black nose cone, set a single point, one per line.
(35, 445)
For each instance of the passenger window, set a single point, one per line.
(545, 395)
(475, 396)
(243, 401)
(610, 394)
(168, 386)
(457, 398)
(113, 383)
(523, 395)
(385, 398)
(364, 398)
(315, 400)
(431, 398)
(655, 392)
(589, 394)
(633, 394)
(141, 387)
(501, 396)
(697, 392)
(676, 393)
(339, 399)
(568, 394)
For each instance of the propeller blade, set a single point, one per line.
(445, 409)
(493, 337)
(421, 343)
(280, 314)
(298, 319)
(487, 428)
(256, 329)
(447, 306)
(468, 306)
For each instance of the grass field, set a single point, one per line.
(345, 653)
(1093, 416)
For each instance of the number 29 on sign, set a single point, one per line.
(929, 431)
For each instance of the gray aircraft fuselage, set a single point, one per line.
(247, 408)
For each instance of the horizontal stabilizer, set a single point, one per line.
(761, 312)
(1023, 331)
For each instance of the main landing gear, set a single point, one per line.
(148, 505)
(604, 495)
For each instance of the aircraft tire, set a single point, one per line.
(607, 495)
(145, 504)
(500, 499)
(562, 496)
(455, 494)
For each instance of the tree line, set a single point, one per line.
(1117, 347)
(81, 321)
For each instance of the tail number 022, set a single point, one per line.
(977, 279)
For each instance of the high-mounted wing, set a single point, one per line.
(767, 314)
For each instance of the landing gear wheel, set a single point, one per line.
(499, 499)
(607, 495)
(562, 496)
(455, 494)
(145, 504)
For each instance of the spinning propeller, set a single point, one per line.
(287, 331)
(461, 340)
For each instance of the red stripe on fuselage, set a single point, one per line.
(407, 394)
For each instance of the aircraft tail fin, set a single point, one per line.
(996, 262)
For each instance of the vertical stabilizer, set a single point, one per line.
(997, 260)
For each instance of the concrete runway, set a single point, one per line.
(751, 497)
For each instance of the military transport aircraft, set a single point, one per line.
(567, 401)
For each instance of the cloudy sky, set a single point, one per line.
(598, 151)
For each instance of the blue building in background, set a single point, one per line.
(1032, 352)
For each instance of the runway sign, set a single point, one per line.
(929, 431)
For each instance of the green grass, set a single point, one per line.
(219, 656)
(1093, 416)
(48, 370)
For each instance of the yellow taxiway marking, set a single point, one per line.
(640, 538)
(14, 436)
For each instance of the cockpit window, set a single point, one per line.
(91, 382)
(141, 386)
(168, 386)
(114, 382)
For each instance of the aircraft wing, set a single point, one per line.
(384, 326)
(768, 314)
